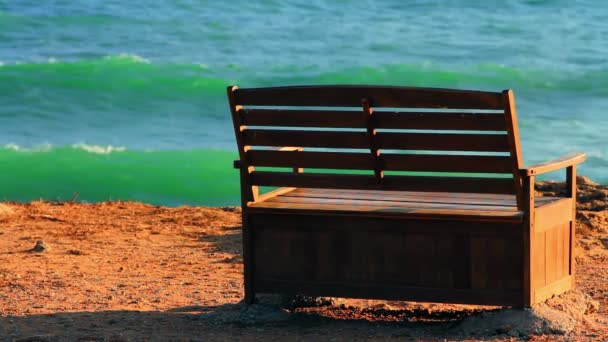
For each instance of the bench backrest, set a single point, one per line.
(403, 138)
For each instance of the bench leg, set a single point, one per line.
(249, 294)
(248, 262)
(528, 239)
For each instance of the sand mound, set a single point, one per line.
(559, 315)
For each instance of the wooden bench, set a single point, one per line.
(413, 194)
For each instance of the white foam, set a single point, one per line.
(38, 148)
(13, 147)
(130, 57)
(99, 149)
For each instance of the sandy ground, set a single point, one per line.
(122, 271)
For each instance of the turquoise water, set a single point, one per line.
(126, 100)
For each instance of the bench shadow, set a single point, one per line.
(234, 321)
(230, 241)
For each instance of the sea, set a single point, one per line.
(126, 100)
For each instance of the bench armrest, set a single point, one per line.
(568, 160)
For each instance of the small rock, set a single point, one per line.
(300, 301)
(592, 306)
(40, 247)
(605, 242)
(231, 209)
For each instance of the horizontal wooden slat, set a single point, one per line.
(407, 200)
(553, 214)
(446, 163)
(555, 288)
(385, 203)
(364, 223)
(411, 183)
(385, 140)
(443, 142)
(339, 192)
(388, 211)
(263, 137)
(396, 162)
(402, 196)
(326, 160)
(416, 196)
(379, 96)
(391, 120)
(303, 118)
(440, 121)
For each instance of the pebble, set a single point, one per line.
(40, 247)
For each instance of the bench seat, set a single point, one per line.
(411, 204)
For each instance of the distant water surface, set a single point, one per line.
(126, 99)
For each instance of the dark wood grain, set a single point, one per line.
(411, 183)
(358, 253)
(249, 192)
(303, 118)
(571, 192)
(379, 96)
(444, 142)
(383, 119)
(370, 116)
(387, 212)
(327, 139)
(440, 121)
(528, 237)
(388, 161)
(385, 140)
(446, 163)
(310, 159)
(514, 143)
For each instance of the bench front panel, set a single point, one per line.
(422, 260)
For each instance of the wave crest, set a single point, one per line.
(130, 72)
(128, 57)
(96, 149)
(99, 149)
